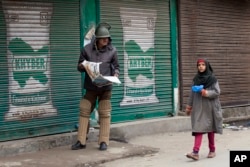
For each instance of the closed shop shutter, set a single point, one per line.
(140, 30)
(39, 84)
(218, 31)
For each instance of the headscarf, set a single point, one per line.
(205, 78)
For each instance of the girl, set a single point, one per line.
(204, 108)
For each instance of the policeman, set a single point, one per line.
(99, 50)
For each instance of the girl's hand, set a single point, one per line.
(188, 110)
(204, 92)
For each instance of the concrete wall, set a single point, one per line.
(240, 113)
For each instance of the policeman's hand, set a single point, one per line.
(80, 66)
(116, 75)
(188, 110)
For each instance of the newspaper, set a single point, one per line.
(93, 70)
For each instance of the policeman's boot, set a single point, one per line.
(104, 117)
(85, 109)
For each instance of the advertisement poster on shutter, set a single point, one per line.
(139, 55)
(28, 44)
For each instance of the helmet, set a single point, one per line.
(102, 32)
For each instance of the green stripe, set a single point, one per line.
(174, 48)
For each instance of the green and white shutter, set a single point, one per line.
(40, 87)
(140, 30)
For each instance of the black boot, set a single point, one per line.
(103, 146)
(78, 146)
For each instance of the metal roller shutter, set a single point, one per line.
(40, 86)
(219, 31)
(141, 33)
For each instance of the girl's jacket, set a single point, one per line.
(206, 115)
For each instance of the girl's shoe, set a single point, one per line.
(193, 156)
(211, 155)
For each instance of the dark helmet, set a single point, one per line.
(102, 32)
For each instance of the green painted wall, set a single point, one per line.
(89, 19)
(174, 53)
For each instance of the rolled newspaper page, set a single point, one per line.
(93, 70)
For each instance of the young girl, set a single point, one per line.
(205, 109)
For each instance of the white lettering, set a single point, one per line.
(22, 63)
(239, 158)
(29, 99)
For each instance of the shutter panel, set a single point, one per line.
(40, 46)
(218, 31)
(140, 30)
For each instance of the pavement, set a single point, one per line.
(174, 146)
(63, 156)
(54, 150)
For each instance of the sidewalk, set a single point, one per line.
(53, 151)
(174, 146)
(65, 157)
(146, 139)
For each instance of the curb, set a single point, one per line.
(121, 132)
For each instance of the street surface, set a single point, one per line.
(174, 146)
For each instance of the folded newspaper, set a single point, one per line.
(93, 70)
